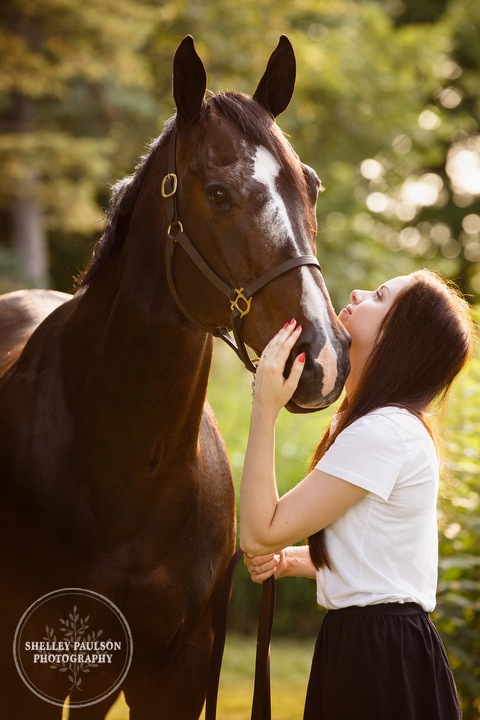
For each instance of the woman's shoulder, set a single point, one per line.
(394, 419)
(380, 447)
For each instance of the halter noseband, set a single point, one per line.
(240, 299)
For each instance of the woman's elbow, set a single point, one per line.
(252, 545)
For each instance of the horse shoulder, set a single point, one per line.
(215, 463)
(210, 431)
(21, 312)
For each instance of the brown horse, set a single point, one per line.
(114, 477)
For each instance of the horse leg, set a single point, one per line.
(31, 709)
(176, 688)
(17, 701)
(97, 711)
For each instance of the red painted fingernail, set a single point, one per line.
(301, 357)
(299, 327)
(292, 321)
(285, 326)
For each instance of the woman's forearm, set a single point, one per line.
(258, 491)
(298, 562)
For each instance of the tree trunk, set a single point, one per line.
(28, 233)
(28, 240)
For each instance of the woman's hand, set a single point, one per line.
(261, 567)
(291, 561)
(272, 391)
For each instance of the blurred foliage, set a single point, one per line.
(457, 615)
(386, 109)
(458, 611)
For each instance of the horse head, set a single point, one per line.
(243, 209)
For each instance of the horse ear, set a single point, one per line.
(189, 81)
(275, 89)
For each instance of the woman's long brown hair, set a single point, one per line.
(423, 342)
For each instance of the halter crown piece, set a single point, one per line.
(240, 299)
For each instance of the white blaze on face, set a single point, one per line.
(278, 228)
(328, 360)
(315, 310)
(274, 217)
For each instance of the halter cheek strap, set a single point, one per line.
(239, 298)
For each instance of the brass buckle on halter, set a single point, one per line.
(171, 177)
(240, 296)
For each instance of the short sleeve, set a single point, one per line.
(369, 453)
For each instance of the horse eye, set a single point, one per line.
(218, 196)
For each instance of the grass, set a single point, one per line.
(290, 666)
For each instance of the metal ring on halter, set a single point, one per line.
(176, 222)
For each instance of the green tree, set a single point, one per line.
(73, 82)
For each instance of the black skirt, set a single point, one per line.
(380, 662)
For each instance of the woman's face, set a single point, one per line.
(363, 316)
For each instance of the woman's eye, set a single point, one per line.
(218, 196)
(378, 294)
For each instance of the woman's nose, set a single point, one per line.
(358, 296)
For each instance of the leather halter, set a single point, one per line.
(240, 299)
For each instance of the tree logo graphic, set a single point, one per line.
(73, 643)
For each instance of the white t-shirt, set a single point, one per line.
(384, 548)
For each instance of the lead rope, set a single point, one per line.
(261, 704)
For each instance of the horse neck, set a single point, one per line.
(142, 351)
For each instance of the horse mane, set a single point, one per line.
(246, 113)
(122, 202)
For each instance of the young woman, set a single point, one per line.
(368, 506)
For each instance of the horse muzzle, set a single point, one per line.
(324, 373)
